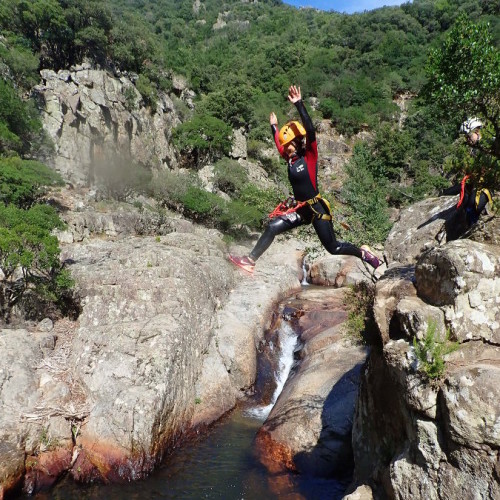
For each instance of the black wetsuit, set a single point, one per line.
(468, 202)
(303, 176)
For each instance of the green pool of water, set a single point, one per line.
(220, 465)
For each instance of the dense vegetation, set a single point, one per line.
(29, 253)
(240, 57)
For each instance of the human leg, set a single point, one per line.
(276, 226)
(326, 234)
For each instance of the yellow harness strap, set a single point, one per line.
(486, 192)
(317, 215)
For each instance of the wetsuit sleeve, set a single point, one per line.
(311, 155)
(306, 121)
(279, 147)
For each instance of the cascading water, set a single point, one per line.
(288, 342)
(304, 281)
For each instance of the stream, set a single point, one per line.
(222, 463)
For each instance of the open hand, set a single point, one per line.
(294, 94)
(273, 120)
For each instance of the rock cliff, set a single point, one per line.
(421, 438)
(91, 116)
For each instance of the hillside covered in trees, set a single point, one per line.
(239, 57)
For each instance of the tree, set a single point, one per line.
(29, 257)
(203, 138)
(19, 123)
(464, 79)
(22, 182)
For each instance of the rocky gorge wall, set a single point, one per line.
(169, 331)
(92, 116)
(415, 438)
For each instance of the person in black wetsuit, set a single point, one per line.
(474, 196)
(302, 162)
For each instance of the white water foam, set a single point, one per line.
(304, 273)
(288, 342)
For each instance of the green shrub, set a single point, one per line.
(168, 187)
(203, 137)
(263, 200)
(367, 200)
(29, 257)
(23, 182)
(201, 205)
(430, 352)
(238, 213)
(18, 119)
(148, 92)
(230, 176)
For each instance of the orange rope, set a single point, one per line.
(283, 209)
(462, 190)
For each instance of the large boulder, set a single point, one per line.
(420, 227)
(416, 438)
(20, 430)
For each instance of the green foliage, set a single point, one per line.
(147, 90)
(431, 350)
(19, 123)
(464, 81)
(358, 301)
(29, 253)
(21, 61)
(366, 197)
(233, 104)
(134, 47)
(23, 182)
(262, 200)
(181, 193)
(29, 257)
(203, 138)
(230, 176)
(464, 74)
(61, 33)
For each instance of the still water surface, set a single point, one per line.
(221, 465)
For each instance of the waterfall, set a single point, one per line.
(288, 342)
(304, 273)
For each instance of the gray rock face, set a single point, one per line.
(420, 227)
(414, 439)
(147, 320)
(21, 351)
(90, 115)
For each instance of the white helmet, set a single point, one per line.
(470, 125)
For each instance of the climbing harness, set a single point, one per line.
(486, 192)
(292, 205)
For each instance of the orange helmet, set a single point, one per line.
(291, 131)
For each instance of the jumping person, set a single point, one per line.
(296, 143)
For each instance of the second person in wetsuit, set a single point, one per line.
(302, 162)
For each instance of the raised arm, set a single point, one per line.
(273, 120)
(295, 97)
